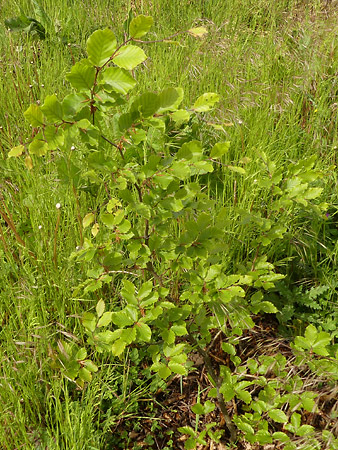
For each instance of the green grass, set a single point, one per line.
(274, 65)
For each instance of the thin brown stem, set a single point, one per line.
(71, 53)
(218, 383)
(2, 237)
(146, 233)
(139, 191)
(255, 257)
(9, 131)
(11, 225)
(6, 248)
(15, 232)
(114, 145)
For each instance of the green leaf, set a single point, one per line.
(305, 430)
(118, 347)
(313, 193)
(38, 147)
(128, 292)
(266, 307)
(197, 408)
(72, 370)
(126, 120)
(73, 103)
(186, 430)
(108, 336)
(85, 374)
(128, 286)
(245, 396)
(202, 167)
(168, 336)
(112, 260)
(54, 137)
(132, 312)
(180, 116)
(101, 46)
(162, 370)
(237, 169)
(293, 446)
(219, 149)
(229, 348)
(177, 368)
(243, 426)
(128, 335)
(122, 319)
(323, 340)
(212, 393)
(27, 24)
(18, 23)
(89, 321)
(129, 56)
(173, 350)
(163, 180)
(192, 150)
(181, 358)
(229, 293)
(108, 220)
(280, 436)
(41, 14)
(179, 330)
(198, 31)
(263, 437)
(209, 406)
(118, 216)
(34, 115)
(82, 76)
(91, 366)
(311, 334)
(139, 26)
(155, 135)
(100, 307)
(105, 319)
(278, 415)
(213, 272)
(118, 79)
(259, 406)
(88, 220)
(147, 104)
(124, 226)
(29, 162)
(317, 340)
(138, 135)
(52, 108)
(81, 354)
(129, 18)
(144, 331)
(303, 343)
(16, 151)
(308, 402)
(169, 99)
(145, 290)
(206, 102)
(180, 170)
(227, 391)
(295, 421)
